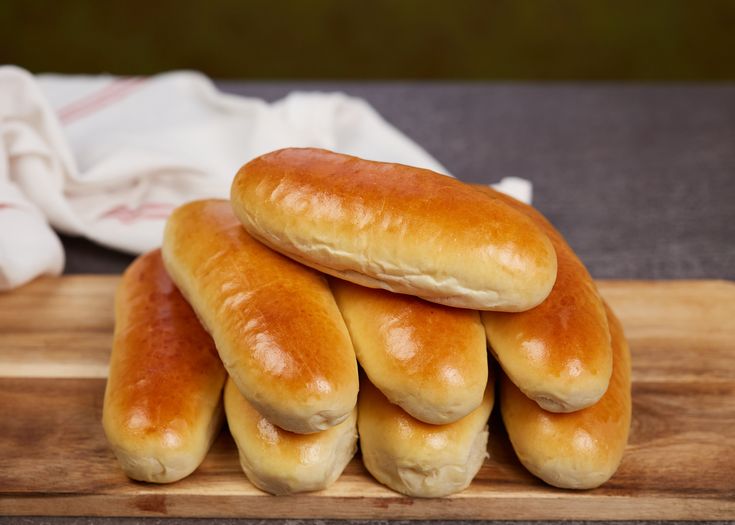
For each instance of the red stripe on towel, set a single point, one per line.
(146, 212)
(108, 95)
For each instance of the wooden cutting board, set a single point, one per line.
(55, 338)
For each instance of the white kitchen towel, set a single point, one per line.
(108, 158)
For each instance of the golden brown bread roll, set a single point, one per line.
(275, 323)
(429, 359)
(416, 458)
(582, 449)
(162, 406)
(558, 353)
(395, 227)
(282, 462)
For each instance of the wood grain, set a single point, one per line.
(54, 460)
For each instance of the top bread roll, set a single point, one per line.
(390, 226)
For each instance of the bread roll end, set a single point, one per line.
(282, 462)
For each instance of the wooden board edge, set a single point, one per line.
(617, 283)
(306, 506)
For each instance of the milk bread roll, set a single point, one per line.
(429, 359)
(163, 401)
(579, 450)
(390, 226)
(282, 462)
(275, 323)
(559, 352)
(416, 458)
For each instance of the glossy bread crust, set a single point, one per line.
(582, 449)
(282, 462)
(395, 227)
(558, 353)
(162, 406)
(275, 323)
(429, 359)
(416, 458)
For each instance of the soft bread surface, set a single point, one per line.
(416, 458)
(163, 401)
(395, 227)
(282, 462)
(579, 450)
(429, 359)
(558, 353)
(275, 322)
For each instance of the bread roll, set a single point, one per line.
(163, 401)
(281, 462)
(429, 359)
(275, 323)
(416, 458)
(580, 450)
(558, 353)
(395, 227)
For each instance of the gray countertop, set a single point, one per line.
(639, 178)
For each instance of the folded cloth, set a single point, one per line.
(31, 145)
(108, 158)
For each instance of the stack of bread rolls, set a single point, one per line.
(320, 261)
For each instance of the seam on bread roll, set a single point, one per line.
(384, 275)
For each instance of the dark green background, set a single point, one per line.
(383, 39)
